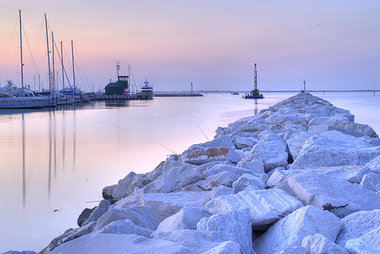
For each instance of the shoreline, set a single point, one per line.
(192, 202)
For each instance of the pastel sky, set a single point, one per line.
(212, 43)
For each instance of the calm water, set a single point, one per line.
(53, 164)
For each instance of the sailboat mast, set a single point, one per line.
(52, 55)
(48, 53)
(22, 64)
(72, 58)
(255, 78)
(63, 74)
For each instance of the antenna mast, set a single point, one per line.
(63, 74)
(117, 70)
(48, 54)
(22, 65)
(52, 55)
(72, 57)
(255, 88)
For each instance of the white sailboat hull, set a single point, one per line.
(23, 102)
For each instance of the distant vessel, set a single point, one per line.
(255, 93)
(13, 97)
(146, 91)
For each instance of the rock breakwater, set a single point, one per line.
(299, 177)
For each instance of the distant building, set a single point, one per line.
(119, 87)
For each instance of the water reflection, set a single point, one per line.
(23, 160)
(117, 103)
(255, 106)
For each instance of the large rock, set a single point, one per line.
(325, 150)
(265, 206)
(256, 166)
(318, 244)
(194, 240)
(333, 194)
(296, 141)
(291, 230)
(231, 225)
(119, 244)
(277, 176)
(228, 247)
(99, 211)
(215, 150)
(374, 165)
(82, 218)
(358, 224)
(366, 244)
(165, 204)
(176, 175)
(125, 227)
(247, 180)
(271, 149)
(120, 190)
(20, 252)
(141, 216)
(371, 181)
(186, 218)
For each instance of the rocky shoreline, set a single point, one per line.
(299, 177)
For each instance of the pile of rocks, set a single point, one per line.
(299, 177)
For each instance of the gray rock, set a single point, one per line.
(186, 218)
(374, 165)
(234, 155)
(294, 250)
(119, 244)
(318, 244)
(219, 191)
(321, 190)
(99, 211)
(325, 150)
(271, 149)
(265, 206)
(141, 216)
(228, 247)
(365, 244)
(231, 225)
(125, 227)
(296, 141)
(277, 176)
(84, 216)
(248, 180)
(215, 150)
(371, 181)
(256, 166)
(20, 252)
(291, 230)
(358, 224)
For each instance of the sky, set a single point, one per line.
(212, 43)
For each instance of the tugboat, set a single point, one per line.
(146, 91)
(255, 93)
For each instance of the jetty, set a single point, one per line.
(299, 177)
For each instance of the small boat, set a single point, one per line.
(8, 100)
(146, 91)
(235, 93)
(255, 93)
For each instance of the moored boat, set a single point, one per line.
(146, 91)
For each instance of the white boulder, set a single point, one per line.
(333, 194)
(228, 247)
(271, 149)
(256, 166)
(291, 230)
(318, 244)
(215, 150)
(374, 165)
(231, 225)
(125, 227)
(265, 206)
(277, 176)
(357, 224)
(371, 181)
(365, 244)
(119, 244)
(186, 218)
(247, 180)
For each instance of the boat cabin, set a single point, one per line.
(119, 87)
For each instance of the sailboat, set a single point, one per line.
(11, 97)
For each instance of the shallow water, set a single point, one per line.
(53, 164)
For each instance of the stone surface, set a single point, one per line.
(119, 244)
(357, 224)
(234, 155)
(165, 204)
(371, 181)
(219, 168)
(228, 247)
(294, 250)
(271, 149)
(277, 176)
(141, 216)
(215, 150)
(125, 227)
(248, 180)
(321, 190)
(318, 244)
(291, 230)
(296, 141)
(256, 166)
(186, 218)
(99, 211)
(374, 165)
(265, 206)
(20, 252)
(365, 244)
(176, 175)
(231, 225)
(325, 150)
(84, 216)
(121, 189)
